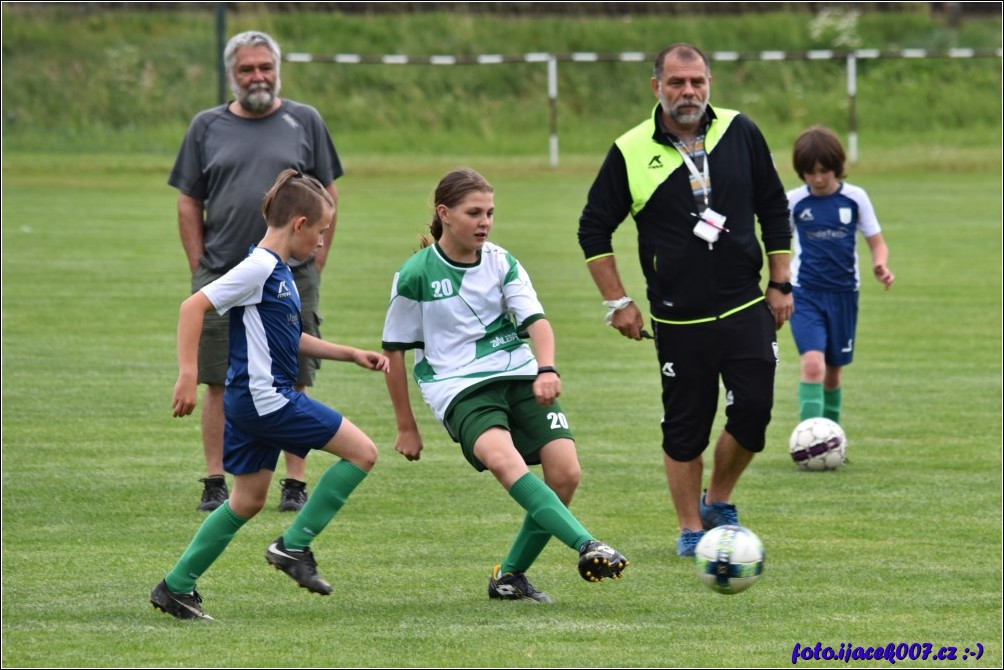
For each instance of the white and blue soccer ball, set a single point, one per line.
(729, 559)
(818, 444)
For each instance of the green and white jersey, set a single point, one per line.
(462, 320)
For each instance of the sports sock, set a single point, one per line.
(329, 496)
(810, 400)
(548, 511)
(832, 400)
(209, 542)
(529, 542)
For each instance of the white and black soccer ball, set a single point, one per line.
(729, 559)
(818, 444)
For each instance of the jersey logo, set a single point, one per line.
(290, 120)
(656, 162)
(846, 215)
(283, 291)
(806, 215)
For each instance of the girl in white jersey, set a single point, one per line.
(827, 214)
(264, 414)
(463, 305)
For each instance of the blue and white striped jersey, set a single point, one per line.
(265, 332)
(824, 255)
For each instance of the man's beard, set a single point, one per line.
(257, 98)
(688, 117)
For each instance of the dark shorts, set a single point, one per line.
(214, 344)
(508, 404)
(253, 444)
(825, 321)
(741, 351)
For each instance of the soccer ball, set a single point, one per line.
(729, 559)
(818, 444)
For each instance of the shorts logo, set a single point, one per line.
(667, 370)
(777, 352)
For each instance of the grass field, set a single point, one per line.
(100, 482)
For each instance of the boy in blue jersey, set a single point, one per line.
(826, 214)
(264, 414)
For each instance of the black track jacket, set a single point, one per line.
(644, 175)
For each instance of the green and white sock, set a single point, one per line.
(832, 401)
(330, 494)
(810, 400)
(209, 542)
(548, 511)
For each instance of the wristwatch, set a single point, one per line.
(782, 286)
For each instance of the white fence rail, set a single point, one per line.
(552, 59)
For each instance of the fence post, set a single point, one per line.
(552, 97)
(852, 121)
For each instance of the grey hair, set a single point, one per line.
(685, 52)
(251, 38)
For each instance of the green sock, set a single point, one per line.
(810, 400)
(209, 542)
(548, 511)
(529, 542)
(329, 495)
(832, 401)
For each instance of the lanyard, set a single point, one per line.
(702, 179)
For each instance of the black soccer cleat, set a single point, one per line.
(300, 565)
(598, 561)
(294, 495)
(178, 605)
(214, 493)
(514, 586)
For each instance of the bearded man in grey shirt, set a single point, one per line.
(229, 158)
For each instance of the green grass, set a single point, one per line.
(99, 482)
(83, 79)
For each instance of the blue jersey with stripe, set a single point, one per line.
(825, 231)
(264, 306)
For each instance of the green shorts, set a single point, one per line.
(510, 404)
(214, 344)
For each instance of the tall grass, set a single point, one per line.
(128, 79)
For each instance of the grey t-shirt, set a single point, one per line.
(228, 163)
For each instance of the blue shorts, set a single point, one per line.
(253, 444)
(825, 321)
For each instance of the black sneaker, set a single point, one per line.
(214, 493)
(294, 495)
(514, 586)
(300, 565)
(598, 561)
(178, 605)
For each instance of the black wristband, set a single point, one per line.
(547, 368)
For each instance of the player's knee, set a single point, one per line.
(365, 456)
(680, 451)
(679, 446)
(564, 480)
